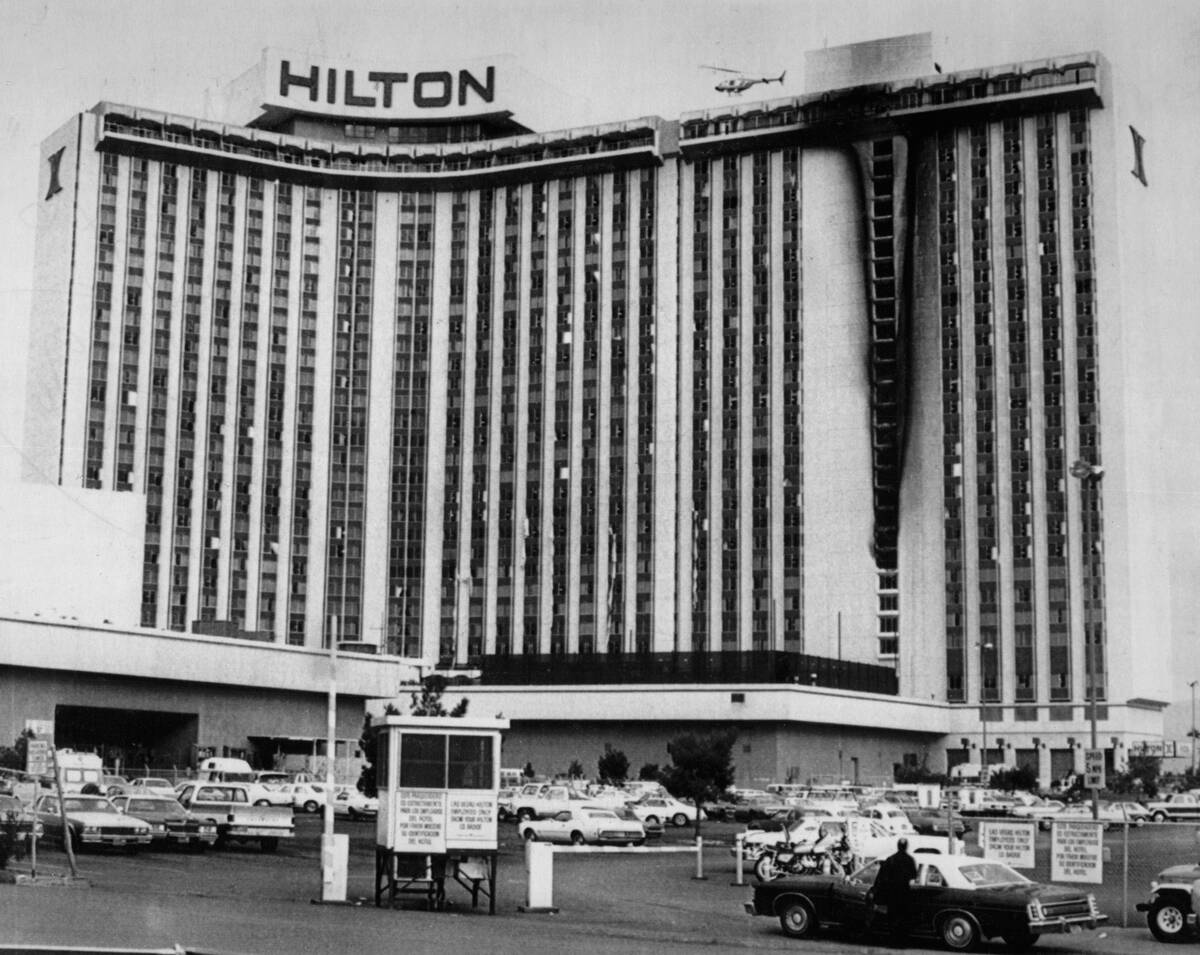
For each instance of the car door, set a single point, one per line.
(928, 897)
(848, 896)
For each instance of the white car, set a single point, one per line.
(150, 786)
(584, 826)
(309, 797)
(349, 802)
(664, 809)
(894, 819)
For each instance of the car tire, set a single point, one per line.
(797, 919)
(679, 820)
(524, 814)
(262, 802)
(651, 820)
(638, 842)
(352, 813)
(577, 839)
(1021, 941)
(529, 835)
(311, 806)
(959, 932)
(268, 845)
(1167, 920)
(764, 868)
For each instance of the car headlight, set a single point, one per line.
(159, 828)
(90, 830)
(1034, 911)
(142, 830)
(1093, 908)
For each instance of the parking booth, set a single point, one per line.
(439, 781)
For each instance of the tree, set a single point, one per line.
(575, 770)
(368, 743)
(613, 767)
(649, 771)
(1141, 776)
(528, 772)
(701, 768)
(13, 757)
(429, 701)
(1022, 778)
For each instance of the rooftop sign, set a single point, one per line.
(381, 92)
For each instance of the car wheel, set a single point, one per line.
(679, 820)
(959, 933)
(764, 868)
(524, 814)
(638, 842)
(797, 919)
(651, 820)
(311, 806)
(262, 802)
(1160, 816)
(1167, 920)
(529, 835)
(577, 839)
(1021, 941)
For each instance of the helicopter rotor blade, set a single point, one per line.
(719, 69)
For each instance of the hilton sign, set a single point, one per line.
(301, 84)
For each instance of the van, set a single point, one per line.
(76, 770)
(225, 769)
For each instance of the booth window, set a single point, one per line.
(423, 761)
(470, 762)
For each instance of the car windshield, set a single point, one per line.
(84, 804)
(600, 814)
(983, 875)
(153, 781)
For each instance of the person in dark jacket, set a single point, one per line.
(892, 892)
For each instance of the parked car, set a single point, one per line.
(307, 797)
(170, 824)
(937, 822)
(1047, 809)
(664, 809)
(349, 802)
(956, 899)
(229, 806)
(1175, 806)
(1111, 814)
(1169, 914)
(587, 825)
(868, 839)
(750, 808)
(111, 785)
(91, 821)
(155, 785)
(25, 824)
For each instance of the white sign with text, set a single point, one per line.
(1008, 842)
(1077, 852)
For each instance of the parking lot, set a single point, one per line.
(240, 900)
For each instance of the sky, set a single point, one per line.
(619, 58)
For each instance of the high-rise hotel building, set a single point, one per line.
(848, 377)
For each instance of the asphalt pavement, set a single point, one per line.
(240, 901)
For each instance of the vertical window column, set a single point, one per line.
(793, 410)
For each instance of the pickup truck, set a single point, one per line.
(547, 801)
(1175, 806)
(230, 807)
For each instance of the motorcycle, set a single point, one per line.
(829, 855)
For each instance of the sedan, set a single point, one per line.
(585, 826)
(664, 809)
(170, 823)
(1111, 814)
(308, 797)
(958, 900)
(91, 821)
(351, 803)
(150, 785)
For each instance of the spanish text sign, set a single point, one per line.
(420, 821)
(1009, 842)
(1077, 852)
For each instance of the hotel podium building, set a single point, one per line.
(839, 389)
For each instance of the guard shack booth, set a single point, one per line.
(439, 781)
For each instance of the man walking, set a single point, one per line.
(891, 892)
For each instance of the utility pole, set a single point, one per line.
(1192, 734)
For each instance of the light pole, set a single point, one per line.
(1192, 734)
(1089, 476)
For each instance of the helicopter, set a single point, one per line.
(740, 82)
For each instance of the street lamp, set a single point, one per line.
(1192, 734)
(1089, 475)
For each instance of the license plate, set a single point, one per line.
(120, 841)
